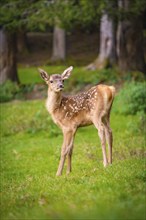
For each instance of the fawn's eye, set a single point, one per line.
(51, 81)
(63, 81)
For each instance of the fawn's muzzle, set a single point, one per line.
(61, 86)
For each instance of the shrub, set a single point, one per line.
(132, 98)
(10, 90)
(108, 75)
(134, 75)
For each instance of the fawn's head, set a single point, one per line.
(55, 82)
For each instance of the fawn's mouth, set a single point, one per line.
(59, 89)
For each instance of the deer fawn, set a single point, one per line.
(71, 112)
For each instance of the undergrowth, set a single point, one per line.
(10, 91)
(132, 98)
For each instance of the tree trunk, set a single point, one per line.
(59, 44)
(22, 45)
(8, 69)
(130, 42)
(107, 51)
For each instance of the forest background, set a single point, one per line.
(105, 41)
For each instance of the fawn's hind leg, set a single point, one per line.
(101, 132)
(109, 139)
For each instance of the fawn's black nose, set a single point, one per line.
(61, 86)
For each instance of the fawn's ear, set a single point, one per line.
(44, 75)
(66, 73)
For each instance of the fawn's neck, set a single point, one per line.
(53, 100)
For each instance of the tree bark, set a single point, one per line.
(8, 68)
(59, 44)
(107, 51)
(130, 42)
(22, 45)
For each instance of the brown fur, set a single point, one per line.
(71, 112)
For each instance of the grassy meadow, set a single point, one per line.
(30, 152)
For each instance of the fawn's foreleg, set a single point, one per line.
(66, 150)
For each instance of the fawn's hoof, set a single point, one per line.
(105, 164)
(58, 174)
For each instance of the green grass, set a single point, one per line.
(30, 151)
(29, 75)
(80, 76)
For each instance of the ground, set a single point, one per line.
(30, 151)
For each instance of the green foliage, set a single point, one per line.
(13, 14)
(10, 90)
(132, 98)
(133, 76)
(109, 75)
(87, 13)
(42, 14)
(29, 160)
(137, 7)
(36, 14)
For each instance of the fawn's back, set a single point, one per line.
(80, 110)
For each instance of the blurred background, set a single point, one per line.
(96, 34)
(105, 42)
